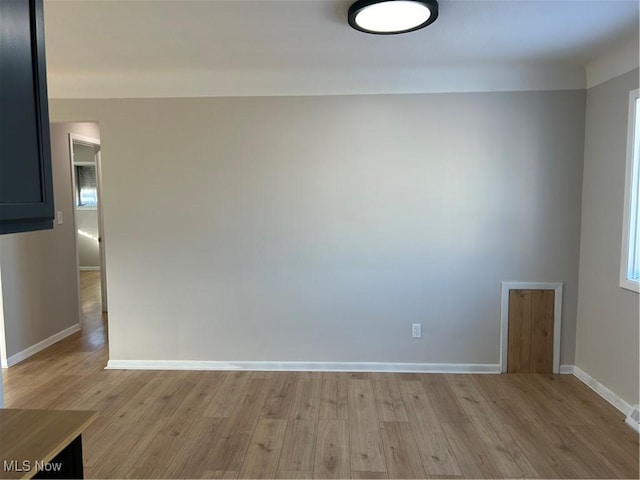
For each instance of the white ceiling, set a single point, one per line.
(104, 47)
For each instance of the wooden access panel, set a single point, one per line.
(530, 348)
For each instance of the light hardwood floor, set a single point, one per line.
(155, 424)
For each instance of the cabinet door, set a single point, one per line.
(26, 189)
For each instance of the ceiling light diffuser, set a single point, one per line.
(388, 17)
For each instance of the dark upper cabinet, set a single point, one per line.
(26, 188)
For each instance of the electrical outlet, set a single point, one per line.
(416, 330)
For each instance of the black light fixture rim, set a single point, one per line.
(354, 9)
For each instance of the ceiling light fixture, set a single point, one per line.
(388, 17)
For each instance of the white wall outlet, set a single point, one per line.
(59, 217)
(416, 330)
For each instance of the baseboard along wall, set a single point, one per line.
(304, 366)
(32, 350)
(632, 412)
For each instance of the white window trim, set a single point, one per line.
(630, 197)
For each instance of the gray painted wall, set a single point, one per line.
(607, 335)
(321, 228)
(84, 153)
(39, 279)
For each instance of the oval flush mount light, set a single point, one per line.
(389, 17)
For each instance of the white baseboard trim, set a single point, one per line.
(630, 411)
(303, 366)
(633, 419)
(567, 369)
(47, 342)
(89, 269)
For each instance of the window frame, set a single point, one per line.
(78, 189)
(631, 225)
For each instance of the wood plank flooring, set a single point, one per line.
(172, 424)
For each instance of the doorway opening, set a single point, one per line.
(86, 175)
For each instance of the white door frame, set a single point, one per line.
(103, 264)
(504, 318)
(93, 142)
